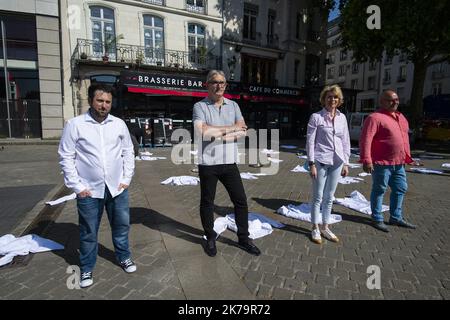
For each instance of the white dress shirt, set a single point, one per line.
(93, 154)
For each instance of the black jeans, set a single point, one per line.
(230, 177)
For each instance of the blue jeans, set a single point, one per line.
(90, 211)
(324, 187)
(395, 177)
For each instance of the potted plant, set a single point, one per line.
(202, 53)
(139, 57)
(110, 43)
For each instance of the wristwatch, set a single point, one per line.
(311, 163)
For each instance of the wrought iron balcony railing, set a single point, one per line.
(195, 8)
(272, 41)
(89, 50)
(157, 2)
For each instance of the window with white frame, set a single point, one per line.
(154, 38)
(354, 84)
(103, 30)
(402, 74)
(196, 43)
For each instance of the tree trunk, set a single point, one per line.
(416, 101)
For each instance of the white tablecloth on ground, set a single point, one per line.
(10, 246)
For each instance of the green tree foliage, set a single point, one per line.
(420, 29)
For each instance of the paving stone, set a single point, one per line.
(282, 294)
(334, 294)
(272, 280)
(303, 296)
(414, 264)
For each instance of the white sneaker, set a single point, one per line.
(329, 235)
(86, 279)
(315, 236)
(128, 265)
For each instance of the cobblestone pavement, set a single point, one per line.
(165, 242)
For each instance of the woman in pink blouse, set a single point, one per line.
(328, 148)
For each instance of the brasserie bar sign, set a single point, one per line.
(160, 80)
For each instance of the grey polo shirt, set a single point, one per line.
(216, 152)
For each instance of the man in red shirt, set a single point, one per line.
(384, 151)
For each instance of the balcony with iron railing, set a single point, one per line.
(252, 39)
(195, 8)
(91, 51)
(272, 41)
(157, 2)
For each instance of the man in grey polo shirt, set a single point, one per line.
(218, 123)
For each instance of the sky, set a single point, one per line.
(334, 13)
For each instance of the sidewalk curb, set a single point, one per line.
(39, 208)
(26, 142)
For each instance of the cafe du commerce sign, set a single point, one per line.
(272, 91)
(142, 79)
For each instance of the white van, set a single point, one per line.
(355, 124)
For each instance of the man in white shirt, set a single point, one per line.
(97, 158)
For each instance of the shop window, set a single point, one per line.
(20, 37)
(258, 71)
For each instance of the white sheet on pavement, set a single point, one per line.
(10, 246)
(358, 202)
(354, 165)
(348, 180)
(62, 199)
(426, 171)
(181, 181)
(300, 168)
(303, 212)
(258, 225)
(269, 151)
(364, 174)
(248, 176)
(147, 158)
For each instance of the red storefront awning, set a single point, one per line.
(177, 92)
(274, 99)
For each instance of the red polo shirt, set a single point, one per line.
(384, 139)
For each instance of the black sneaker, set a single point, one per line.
(380, 225)
(402, 223)
(210, 248)
(249, 247)
(86, 279)
(128, 265)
